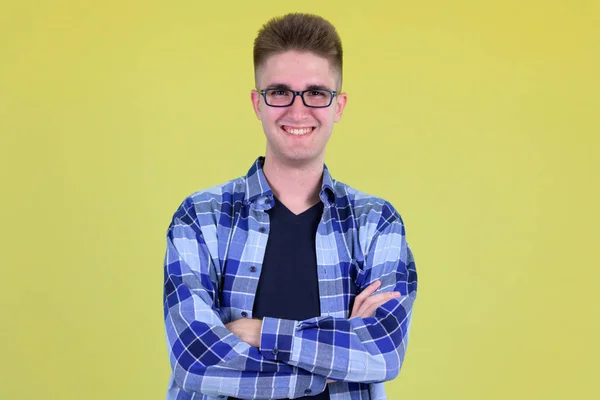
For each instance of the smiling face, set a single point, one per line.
(297, 135)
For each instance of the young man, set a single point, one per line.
(286, 283)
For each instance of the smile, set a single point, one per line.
(298, 131)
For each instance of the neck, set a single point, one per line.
(296, 186)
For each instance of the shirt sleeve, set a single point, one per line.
(356, 349)
(205, 356)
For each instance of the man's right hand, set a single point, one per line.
(365, 304)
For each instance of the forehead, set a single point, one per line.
(296, 69)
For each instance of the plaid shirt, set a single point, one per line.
(215, 248)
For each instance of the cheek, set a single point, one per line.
(326, 117)
(272, 114)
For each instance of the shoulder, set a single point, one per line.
(365, 206)
(203, 206)
(372, 215)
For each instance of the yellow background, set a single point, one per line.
(478, 120)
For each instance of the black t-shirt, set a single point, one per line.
(289, 286)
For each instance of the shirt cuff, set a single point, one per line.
(276, 338)
(308, 384)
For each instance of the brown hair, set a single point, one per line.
(301, 32)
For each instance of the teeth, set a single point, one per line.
(302, 131)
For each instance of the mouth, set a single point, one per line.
(298, 130)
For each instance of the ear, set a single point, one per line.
(340, 104)
(255, 97)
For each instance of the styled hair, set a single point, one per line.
(300, 32)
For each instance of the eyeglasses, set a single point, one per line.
(313, 98)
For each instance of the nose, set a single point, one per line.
(298, 110)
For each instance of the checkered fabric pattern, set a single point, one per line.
(215, 248)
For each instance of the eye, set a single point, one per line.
(317, 93)
(278, 93)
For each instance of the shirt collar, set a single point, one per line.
(257, 186)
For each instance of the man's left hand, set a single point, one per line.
(246, 329)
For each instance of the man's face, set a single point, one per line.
(297, 135)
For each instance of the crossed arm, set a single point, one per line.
(276, 358)
(365, 304)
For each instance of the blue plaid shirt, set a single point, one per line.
(215, 248)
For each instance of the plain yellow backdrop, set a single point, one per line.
(478, 120)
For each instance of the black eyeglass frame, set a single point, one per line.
(295, 93)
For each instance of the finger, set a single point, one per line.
(376, 298)
(356, 307)
(369, 290)
(370, 312)
(384, 299)
(359, 300)
(373, 303)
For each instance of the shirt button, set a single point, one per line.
(268, 201)
(244, 314)
(307, 391)
(275, 350)
(253, 269)
(261, 229)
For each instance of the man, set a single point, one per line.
(286, 283)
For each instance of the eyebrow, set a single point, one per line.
(285, 86)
